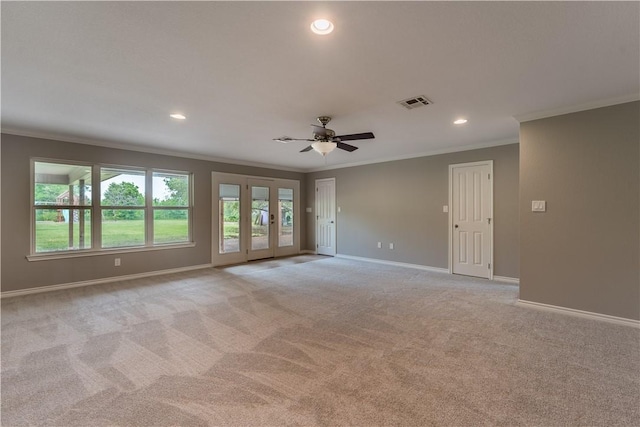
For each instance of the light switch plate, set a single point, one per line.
(445, 208)
(538, 206)
(309, 210)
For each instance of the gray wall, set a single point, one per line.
(19, 273)
(401, 202)
(583, 253)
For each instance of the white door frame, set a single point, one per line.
(245, 217)
(218, 258)
(333, 229)
(451, 169)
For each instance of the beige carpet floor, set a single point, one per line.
(310, 341)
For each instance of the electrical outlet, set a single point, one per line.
(117, 262)
(379, 245)
(390, 245)
(538, 206)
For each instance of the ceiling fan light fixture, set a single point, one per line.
(177, 116)
(324, 147)
(322, 26)
(460, 122)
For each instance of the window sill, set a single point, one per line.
(112, 251)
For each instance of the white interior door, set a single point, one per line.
(471, 214)
(326, 216)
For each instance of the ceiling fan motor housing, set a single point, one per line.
(324, 134)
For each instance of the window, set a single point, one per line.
(171, 207)
(62, 209)
(134, 208)
(123, 207)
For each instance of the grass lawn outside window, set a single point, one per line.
(53, 236)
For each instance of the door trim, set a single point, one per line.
(450, 225)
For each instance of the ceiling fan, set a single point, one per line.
(325, 140)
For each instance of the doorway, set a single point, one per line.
(471, 219)
(254, 218)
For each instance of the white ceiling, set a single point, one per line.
(246, 72)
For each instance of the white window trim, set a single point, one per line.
(32, 208)
(96, 208)
(81, 253)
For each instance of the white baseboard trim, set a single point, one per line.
(394, 263)
(51, 288)
(513, 280)
(580, 313)
(308, 251)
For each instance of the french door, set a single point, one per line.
(254, 218)
(262, 220)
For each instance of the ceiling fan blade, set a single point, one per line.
(354, 136)
(346, 147)
(304, 150)
(285, 139)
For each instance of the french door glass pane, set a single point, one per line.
(229, 204)
(259, 218)
(285, 209)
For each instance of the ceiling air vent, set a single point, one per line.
(415, 102)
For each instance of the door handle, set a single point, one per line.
(456, 226)
(331, 222)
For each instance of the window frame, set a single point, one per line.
(188, 208)
(96, 208)
(81, 208)
(143, 208)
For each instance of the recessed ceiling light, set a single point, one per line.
(460, 122)
(178, 116)
(322, 26)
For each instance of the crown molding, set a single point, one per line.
(543, 114)
(144, 149)
(423, 154)
(175, 153)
